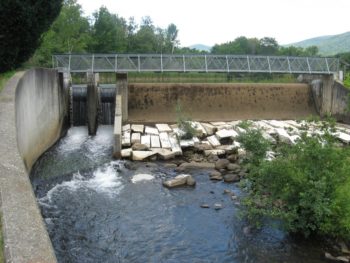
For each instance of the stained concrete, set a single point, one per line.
(213, 102)
(25, 235)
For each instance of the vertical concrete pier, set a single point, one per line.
(92, 103)
(121, 111)
(122, 89)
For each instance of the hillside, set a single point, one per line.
(328, 45)
(201, 47)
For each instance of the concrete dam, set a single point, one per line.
(38, 107)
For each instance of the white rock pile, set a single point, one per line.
(162, 141)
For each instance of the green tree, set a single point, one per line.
(110, 32)
(146, 40)
(22, 23)
(268, 46)
(68, 34)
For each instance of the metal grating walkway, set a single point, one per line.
(193, 63)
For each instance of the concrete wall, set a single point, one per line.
(25, 235)
(41, 112)
(214, 102)
(331, 97)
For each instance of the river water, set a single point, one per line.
(95, 212)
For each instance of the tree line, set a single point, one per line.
(25, 33)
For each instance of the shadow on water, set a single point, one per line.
(95, 213)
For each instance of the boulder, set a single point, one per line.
(217, 152)
(233, 167)
(126, 153)
(138, 128)
(139, 147)
(221, 164)
(231, 178)
(215, 176)
(212, 158)
(201, 147)
(180, 180)
(232, 158)
(165, 154)
(217, 206)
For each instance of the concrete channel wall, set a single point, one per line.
(33, 114)
(41, 112)
(331, 97)
(219, 102)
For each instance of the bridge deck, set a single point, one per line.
(193, 63)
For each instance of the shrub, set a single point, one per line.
(255, 145)
(307, 186)
(184, 123)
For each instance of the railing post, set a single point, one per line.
(268, 61)
(70, 56)
(138, 63)
(327, 65)
(92, 63)
(228, 67)
(248, 64)
(308, 64)
(184, 62)
(161, 63)
(290, 69)
(206, 63)
(116, 63)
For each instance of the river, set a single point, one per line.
(94, 212)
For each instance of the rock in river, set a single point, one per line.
(180, 180)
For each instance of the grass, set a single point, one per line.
(4, 77)
(192, 77)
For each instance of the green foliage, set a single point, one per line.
(246, 124)
(4, 77)
(21, 26)
(347, 80)
(184, 123)
(254, 143)
(307, 186)
(263, 46)
(63, 38)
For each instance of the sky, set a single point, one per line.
(212, 22)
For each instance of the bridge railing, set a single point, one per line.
(194, 63)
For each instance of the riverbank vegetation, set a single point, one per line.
(306, 187)
(4, 77)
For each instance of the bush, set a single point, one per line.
(184, 123)
(255, 145)
(307, 186)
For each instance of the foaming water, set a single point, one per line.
(96, 210)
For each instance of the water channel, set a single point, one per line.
(94, 212)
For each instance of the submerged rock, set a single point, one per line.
(205, 206)
(180, 180)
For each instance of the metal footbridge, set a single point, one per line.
(124, 63)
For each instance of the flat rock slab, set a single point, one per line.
(126, 153)
(224, 133)
(163, 127)
(155, 142)
(213, 140)
(165, 154)
(283, 135)
(146, 140)
(209, 128)
(200, 131)
(126, 127)
(218, 123)
(126, 139)
(151, 130)
(175, 146)
(136, 138)
(142, 155)
(138, 128)
(164, 140)
(345, 138)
